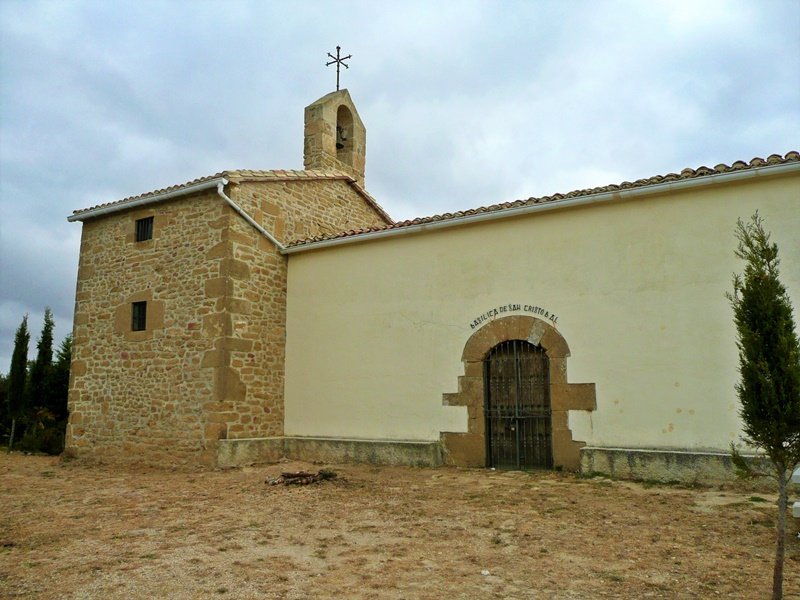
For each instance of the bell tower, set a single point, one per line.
(335, 137)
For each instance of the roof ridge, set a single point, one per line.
(284, 174)
(685, 174)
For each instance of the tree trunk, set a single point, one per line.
(11, 439)
(780, 546)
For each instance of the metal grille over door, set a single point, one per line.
(517, 407)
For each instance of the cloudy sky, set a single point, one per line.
(465, 103)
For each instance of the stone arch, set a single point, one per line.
(469, 449)
(344, 135)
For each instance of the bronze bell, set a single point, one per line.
(340, 139)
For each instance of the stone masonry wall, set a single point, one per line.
(298, 209)
(210, 363)
(251, 371)
(144, 396)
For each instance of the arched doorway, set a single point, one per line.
(517, 406)
(469, 448)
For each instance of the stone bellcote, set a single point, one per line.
(335, 137)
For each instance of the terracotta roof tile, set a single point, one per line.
(251, 175)
(172, 188)
(688, 173)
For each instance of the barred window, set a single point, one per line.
(144, 229)
(139, 316)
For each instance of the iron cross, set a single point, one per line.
(338, 61)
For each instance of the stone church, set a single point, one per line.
(253, 315)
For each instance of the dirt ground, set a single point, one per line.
(69, 530)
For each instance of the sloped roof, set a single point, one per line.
(240, 176)
(685, 174)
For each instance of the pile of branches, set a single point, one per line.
(302, 477)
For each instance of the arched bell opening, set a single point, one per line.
(344, 135)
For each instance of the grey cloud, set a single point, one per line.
(466, 103)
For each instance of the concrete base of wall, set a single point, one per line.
(619, 463)
(378, 452)
(658, 465)
(233, 453)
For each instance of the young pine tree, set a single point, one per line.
(17, 377)
(769, 367)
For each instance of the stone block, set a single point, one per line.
(234, 344)
(215, 431)
(559, 420)
(464, 449)
(566, 453)
(217, 324)
(236, 269)
(554, 344)
(239, 306)
(214, 358)
(451, 399)
(78, 368)
(558, 370)
(228, 385)
(221, 250)
(472, 386)
(269, 208)
(218, 286)
(473, 368)
(232, 235)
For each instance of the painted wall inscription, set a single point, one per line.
(509, 308)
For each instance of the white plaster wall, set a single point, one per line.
(375, 330)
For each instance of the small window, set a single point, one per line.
(144, 229)
(139, 316)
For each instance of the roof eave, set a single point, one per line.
(152, 199)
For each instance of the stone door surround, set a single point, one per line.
(469, 449)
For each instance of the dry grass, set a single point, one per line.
(69, 530)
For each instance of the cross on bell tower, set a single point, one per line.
(337, 60)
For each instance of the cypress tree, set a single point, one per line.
(5, 419)
(40, 376)
(59, 386)
(769, 367)
(17, 377)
